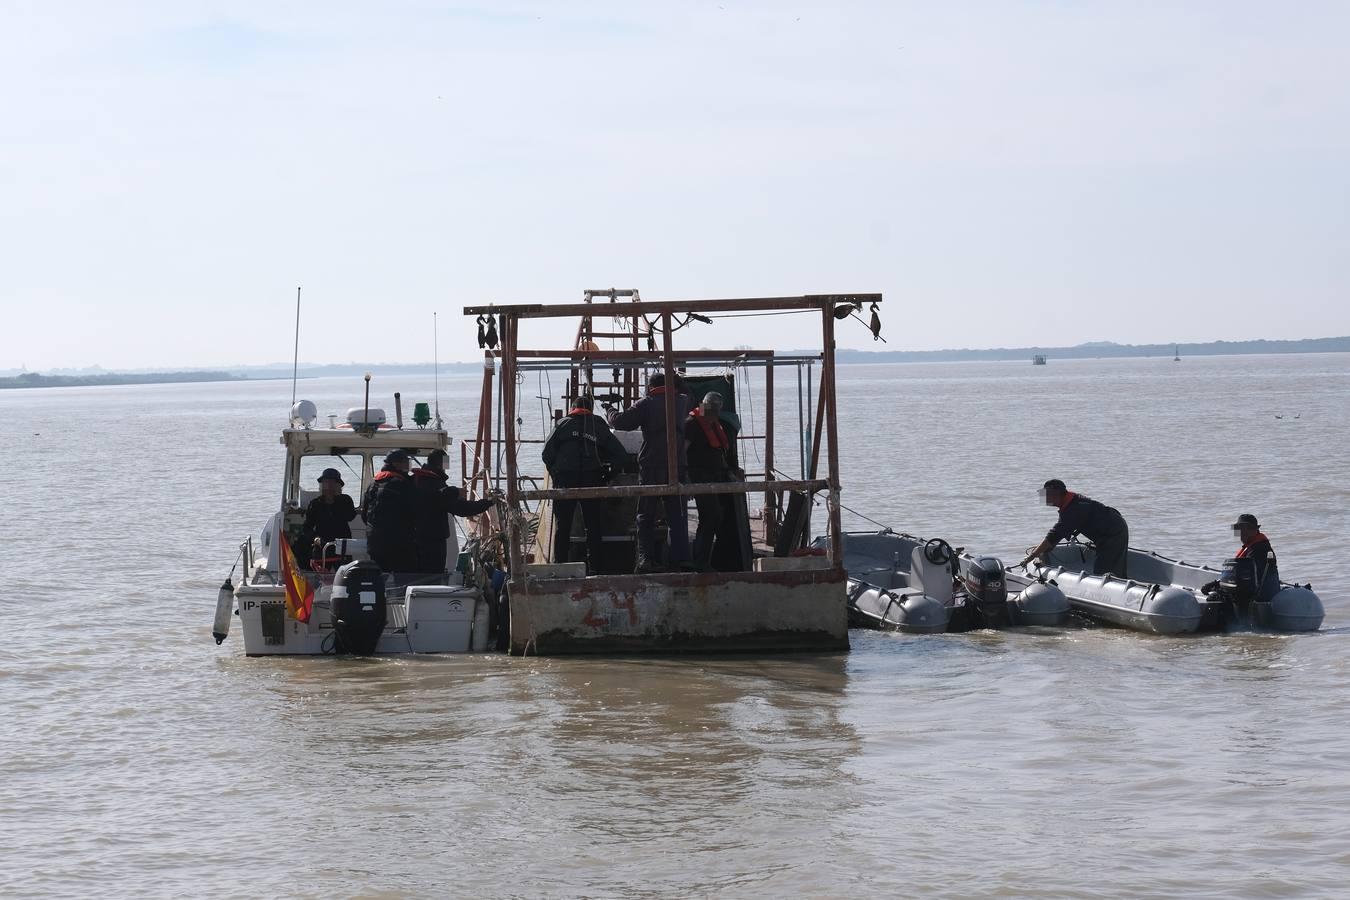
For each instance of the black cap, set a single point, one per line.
(331, 475)
(397, 456)
(1246, 520)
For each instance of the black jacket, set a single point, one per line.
(706, 461)
(1082, 515)
(649, 414)
(436, 501)
(578, 447)
(1262, 556)
(390, 509)
(328, 521)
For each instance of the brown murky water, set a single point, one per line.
(139, 758)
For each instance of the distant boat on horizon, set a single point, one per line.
(1176, 353)
(1038, 359)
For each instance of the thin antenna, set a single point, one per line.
(436, 366)
(295, 366)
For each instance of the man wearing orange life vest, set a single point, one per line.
(1256, 546)
(711, 443)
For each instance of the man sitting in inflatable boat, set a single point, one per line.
(1264, 573)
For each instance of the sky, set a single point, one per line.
(1005, 173)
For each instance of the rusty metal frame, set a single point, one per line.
(510, 355)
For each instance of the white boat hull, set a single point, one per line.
(450, 620)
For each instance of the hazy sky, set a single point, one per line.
(1005, 173)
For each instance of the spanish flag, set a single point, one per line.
(299, 592)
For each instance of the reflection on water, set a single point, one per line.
(1067, 761)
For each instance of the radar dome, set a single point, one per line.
(303, 414)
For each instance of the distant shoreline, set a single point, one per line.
(34, 380)
(1096, 350)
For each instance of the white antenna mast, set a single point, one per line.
(295, 365)
(436, 366)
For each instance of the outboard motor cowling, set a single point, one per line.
(988, 591)
(359, 608)
(1237, 580)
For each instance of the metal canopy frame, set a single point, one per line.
(511, 359)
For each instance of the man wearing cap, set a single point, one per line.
(390, 512)
(575, 455)
(327, 516)
(1256, 547)
(1099, 523)
(436, 502)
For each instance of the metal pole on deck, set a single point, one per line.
(770, 498)
(830, 411)
(516, 556)
(672, 462)
(295, 360)
(801, 422)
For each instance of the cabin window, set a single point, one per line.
(349, 467)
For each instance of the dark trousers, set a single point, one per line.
(399, 557)
(716, 514)
(431, 555)
(1112, 552)
(677, 523)
(592, 518)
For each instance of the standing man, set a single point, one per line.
(390, 513)
(712, 458)
(576, 453)
(1099, 523)
(436, 502)
(649, 414)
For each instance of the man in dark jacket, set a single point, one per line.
(326, 517)
(711, 444)
(390, 513)
(436, 502)
(649, 414)
(1256, 547)
(1099, 523)
(576, 453)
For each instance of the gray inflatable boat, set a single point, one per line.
(899, 582)
(1165, 596)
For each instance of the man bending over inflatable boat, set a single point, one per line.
(1099, 523)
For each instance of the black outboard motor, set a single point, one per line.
(359, 608)
(1237, 580)
(988, 591)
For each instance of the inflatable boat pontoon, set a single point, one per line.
(899, 582)
(1166, 596)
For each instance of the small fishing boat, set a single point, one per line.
(905, 583)
(1168, 596)
(296, 600)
